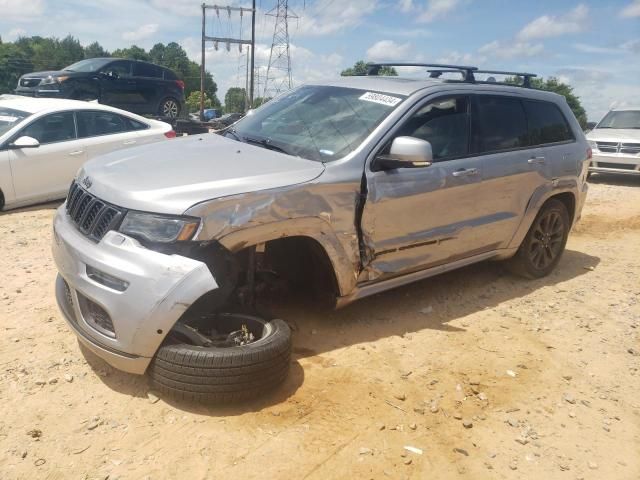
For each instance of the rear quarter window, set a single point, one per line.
(169, 75)
(547, 124)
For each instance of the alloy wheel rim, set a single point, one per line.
(546, 243)
(170, 108)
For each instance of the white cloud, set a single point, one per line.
(586, 48)
(632, 10)
(388, 50)
(16, 10)
(144, 31)
(325, 17)
(553, 26)
(15, 34)
(632, 46)
(430, 11)
(458, 58)
(511, 49)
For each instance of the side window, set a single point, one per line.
(57, 127)
(120, 68)
(169, 75)
(497, 123)
(444, 123)
(546, 123)
(141, 69)
(94, 123)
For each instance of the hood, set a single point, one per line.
(171, 176)
(614, 135)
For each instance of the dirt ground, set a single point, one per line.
(545, 374)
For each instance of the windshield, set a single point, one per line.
(9, 118)
(316, 122)
(90, 65)
(621, 119)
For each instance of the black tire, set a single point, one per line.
(544, 244)
(224, 375)
(169, 107)
(1, 200)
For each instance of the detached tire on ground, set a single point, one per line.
(221, 373)
(544, 244)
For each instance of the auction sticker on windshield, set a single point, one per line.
(381, 99)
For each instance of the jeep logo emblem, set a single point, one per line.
(86, 181)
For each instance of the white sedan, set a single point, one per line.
(43, 143)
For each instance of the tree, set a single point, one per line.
(95, 50)
(552, 84)
(134, 52)
(13, 63)
(259, 101)
(360, 68)
(193, 101)
(234, 100)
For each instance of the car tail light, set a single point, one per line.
(170, 134)
(589, 153)
(180, 84)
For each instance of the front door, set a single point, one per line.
(45, 173)
(416, 218)
(117, 85)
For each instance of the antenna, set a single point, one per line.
(278, 76)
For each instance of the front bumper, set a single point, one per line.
(40, 92)
(615, 163)
(159, 289)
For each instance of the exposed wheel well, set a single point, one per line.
(569, 202)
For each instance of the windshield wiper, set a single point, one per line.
(263, 142)
(232, 131)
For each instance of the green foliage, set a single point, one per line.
(193, 101)
(360, 68)
(234, 100)
(552, 84)
(32, 54)
(259, 101)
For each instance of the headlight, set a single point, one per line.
(593, 145)
(51, 80)
(159, 228)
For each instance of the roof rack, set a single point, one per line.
(468, 73)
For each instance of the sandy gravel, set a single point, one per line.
(544, 372)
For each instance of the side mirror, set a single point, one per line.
(406, 152)
(25, 142)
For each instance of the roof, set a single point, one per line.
(35, 105)
(632, 107)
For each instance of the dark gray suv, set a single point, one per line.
(351, 186)
(132, 85)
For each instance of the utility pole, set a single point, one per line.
(228, 41)
(279, 69)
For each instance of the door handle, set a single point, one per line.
(77, 152)
(536, 161)
(129, 142)
(465, 172)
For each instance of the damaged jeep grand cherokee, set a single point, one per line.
(342, 189)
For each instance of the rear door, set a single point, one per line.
(45, 172)
(416, 218)
(104, 131)
(150, 85)
(117, 85)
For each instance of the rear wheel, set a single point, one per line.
(544, 244)
(169, 108)
(222, 358)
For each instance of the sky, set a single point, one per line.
(592, 45)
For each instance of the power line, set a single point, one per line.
(279, 76)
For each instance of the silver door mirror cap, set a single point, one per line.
(25, 142)
(415, 152)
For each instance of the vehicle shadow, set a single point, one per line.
(617, 180)
(33, 208)
(429, 304)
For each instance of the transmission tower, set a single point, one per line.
(278, 76)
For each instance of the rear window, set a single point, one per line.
(141, 69)
(498, 123)
(546, 123)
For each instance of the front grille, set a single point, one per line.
(630, 148)
(91, 216)
(96, 316)
(29, 82)
(621, 166)
(608, 147)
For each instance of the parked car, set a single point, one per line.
(209, 114)
(43, 143)
(615, 141)
(348, 187)
(132, 85)
(227, 119)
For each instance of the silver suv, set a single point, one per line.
(615, 141)
(346, 188)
